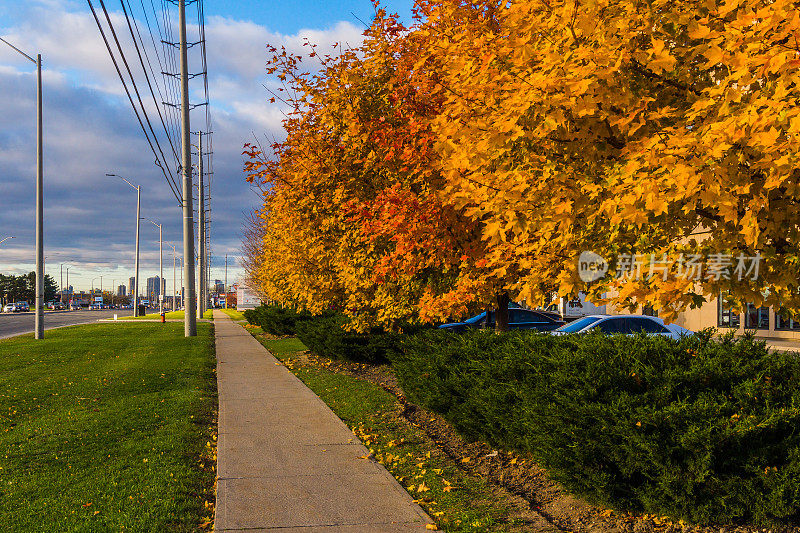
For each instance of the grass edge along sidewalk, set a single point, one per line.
(108, 427)
(286, 461)
(456, 501)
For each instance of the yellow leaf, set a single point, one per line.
(714, 55)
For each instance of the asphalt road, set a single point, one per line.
(12, 324)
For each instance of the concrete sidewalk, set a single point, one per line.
(285, 462)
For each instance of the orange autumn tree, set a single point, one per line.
(623, 127)
(351, 218)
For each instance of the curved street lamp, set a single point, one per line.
(39, 194)
(138, 220)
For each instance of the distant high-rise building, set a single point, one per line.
(154, 288)
(121, 290)
(131, 286)
(219, 287)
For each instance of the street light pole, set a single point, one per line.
(138, 223)
(161, 283)
(4, 240)
(174, 278)
(39, 194)
(183, 289)
(226, 281)
(70, 294)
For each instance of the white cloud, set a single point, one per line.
(90, 129)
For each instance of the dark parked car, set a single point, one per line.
(517, 319)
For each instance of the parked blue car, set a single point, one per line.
(517, 319)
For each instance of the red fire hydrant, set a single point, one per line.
(163, 317)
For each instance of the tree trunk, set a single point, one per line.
(501, 320)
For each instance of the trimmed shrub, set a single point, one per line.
(699, 429)
(326, 337)
(276, 320)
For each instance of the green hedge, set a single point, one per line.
(326, 336)
(703, 430)
(276, 320)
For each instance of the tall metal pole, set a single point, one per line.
(39, 205)
(39, 327)
(201, 239)
(136, 267)
(174, 288)
(183, 289)
(226, 281)
(162, 285)
(190, 320)
(61, 266)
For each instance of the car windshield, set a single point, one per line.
(578, 325)
(475, 319)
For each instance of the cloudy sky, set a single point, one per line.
(91, 130)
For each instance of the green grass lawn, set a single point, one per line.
(234, 314)
(107, 428)
(171, 315)
(456, 501)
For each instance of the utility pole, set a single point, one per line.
(138, 224)
(70, 294)
(201, 238)
(39, 334)
(61, 266)
(190, 321)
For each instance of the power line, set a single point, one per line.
(147, 77)
(170, 179)
(130, 98)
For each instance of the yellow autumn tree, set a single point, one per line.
(623, 127)
(472, 159)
